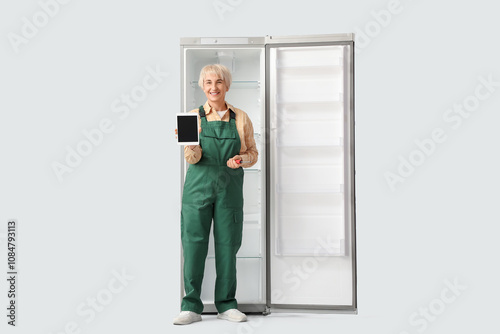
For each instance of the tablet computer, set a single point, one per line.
(187, 129)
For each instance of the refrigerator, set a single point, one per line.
(299, 233)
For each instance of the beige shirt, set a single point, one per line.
(248, 151)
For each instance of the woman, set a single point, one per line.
(213, 189)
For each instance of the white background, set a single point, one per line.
(118, 210)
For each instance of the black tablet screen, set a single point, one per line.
(187, 129)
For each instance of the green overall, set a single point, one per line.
(212, 191)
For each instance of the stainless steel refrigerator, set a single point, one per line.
(299, 240)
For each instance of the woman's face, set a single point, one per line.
(215, 88)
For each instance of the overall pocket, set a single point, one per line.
(231, 180)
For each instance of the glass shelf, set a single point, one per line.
(307, 156)
(311, 235)
(290, 247)
(252, 218)
(312, 217)
(308, 104)
(308, 67)
(212, 257)
(315, 99)
(308, 165)
(311, 189)
(251, 169)
(335, 142)
(234, 84)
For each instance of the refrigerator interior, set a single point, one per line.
(310, 256)
(246, 93)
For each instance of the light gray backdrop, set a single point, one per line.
(98, 234)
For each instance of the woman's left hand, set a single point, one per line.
(231, 163)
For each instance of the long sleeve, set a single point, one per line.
(193, 156)
(250, 153)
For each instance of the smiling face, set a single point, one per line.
(215, 89)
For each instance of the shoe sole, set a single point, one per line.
(187, 323)
(223, 317)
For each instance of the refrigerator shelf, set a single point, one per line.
(311, 67)
(335, 142)
(311, 112)
(251, 169)
(297, 98)
(308, 165)
(308, 104)
(311, 204)
(315, 189)
(310, 247)
(307, 156)
(252, 218)
(311, 218)
(311, 74)
(212, 257)
(303, 252)
(234, 84)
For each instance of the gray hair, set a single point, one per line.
(220, 70)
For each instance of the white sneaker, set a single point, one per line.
(186, 317)
(232, 315)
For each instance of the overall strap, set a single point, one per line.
(202, 111)
(232, 114)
